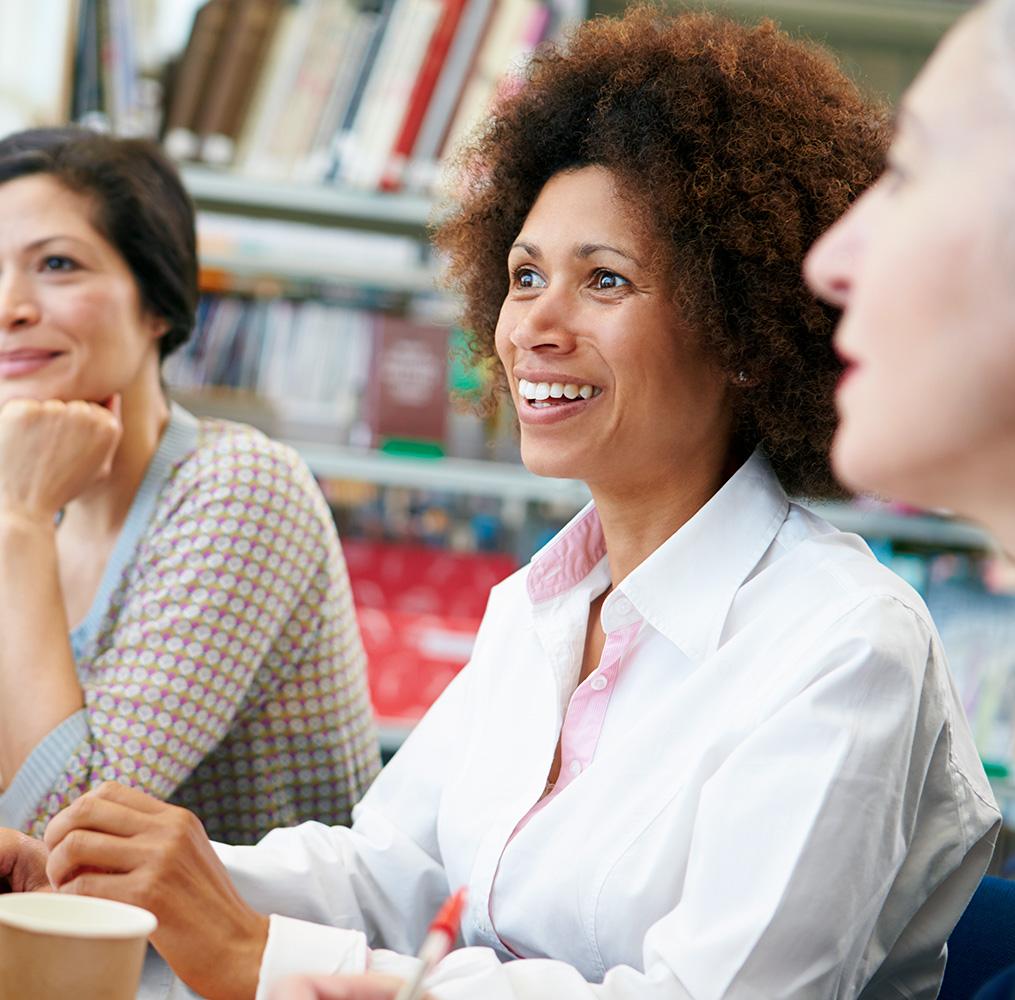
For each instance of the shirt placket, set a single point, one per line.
(586, 712)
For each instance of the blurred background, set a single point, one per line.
(311, 135)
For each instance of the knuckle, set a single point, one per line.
(107, 790)
(74, 844)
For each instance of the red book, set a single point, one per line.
(422, 91)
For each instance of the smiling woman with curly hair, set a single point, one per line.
(706, 746)
(733, 151)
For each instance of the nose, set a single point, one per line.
(544, 324)
(830, 266)
(18, 306)
(826, 268)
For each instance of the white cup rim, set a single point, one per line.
(69, 915)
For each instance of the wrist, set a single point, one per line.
(18, 522)
(245, 960)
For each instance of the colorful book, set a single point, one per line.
(422, 169)
(422, 92)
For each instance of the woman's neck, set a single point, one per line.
(638, 518)
(103, 508)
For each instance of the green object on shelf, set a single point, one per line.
(464, 377)
(409, 448)
(996, 769)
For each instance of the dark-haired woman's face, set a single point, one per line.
(609, 385)
(71, 322)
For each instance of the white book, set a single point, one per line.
(35, 90)
(393, 94)
(258, 154)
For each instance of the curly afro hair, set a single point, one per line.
(739, 146)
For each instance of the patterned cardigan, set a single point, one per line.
(221, 661)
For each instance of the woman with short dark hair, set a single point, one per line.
(173, 600)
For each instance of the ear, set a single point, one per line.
(156, 326)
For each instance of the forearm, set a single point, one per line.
(38, 683)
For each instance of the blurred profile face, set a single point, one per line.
(71, 322)
(609, 385)
(923, 267)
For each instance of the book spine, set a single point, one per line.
(343, 137)
(180, 130)
(423, 89)
(229, 89)
(88, 104)
(395, 82)
(422, 167)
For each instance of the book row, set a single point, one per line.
(365, 93)
(319, 370)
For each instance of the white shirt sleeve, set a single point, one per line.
(381, 881)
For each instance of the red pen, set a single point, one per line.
(439, 940)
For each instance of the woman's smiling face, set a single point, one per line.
(609, 384)
(71, 321)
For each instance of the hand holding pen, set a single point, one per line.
(439, 940)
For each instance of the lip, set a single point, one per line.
(25, 361)
(541, 375)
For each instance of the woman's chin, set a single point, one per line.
(542, 462)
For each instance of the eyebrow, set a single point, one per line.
(581, 251)
(36, 244)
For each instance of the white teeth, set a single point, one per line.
(541, 391)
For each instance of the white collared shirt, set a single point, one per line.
(768, 788)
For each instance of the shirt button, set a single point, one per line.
(575, 767)
(599, 682)
(623, 606)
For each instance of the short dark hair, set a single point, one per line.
(142, 209)
(738, 147)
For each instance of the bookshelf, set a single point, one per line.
(324, 204)
(511, 480)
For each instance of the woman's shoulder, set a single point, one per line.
(238, 469)
(836, 566)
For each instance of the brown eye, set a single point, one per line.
(527, 278)
(605, 280)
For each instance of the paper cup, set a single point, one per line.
(55, 946)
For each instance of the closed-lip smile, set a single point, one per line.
(25, 360)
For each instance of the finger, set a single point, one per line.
(133, 798)
(86, 850)
(115, 406)
(95, 812)
(117, 887)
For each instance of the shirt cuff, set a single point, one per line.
(298, 947)
(40, 771)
